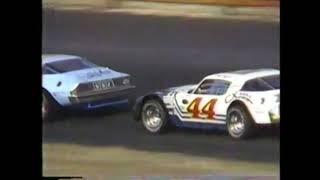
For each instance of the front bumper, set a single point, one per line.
(112, 97)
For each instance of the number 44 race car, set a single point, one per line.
(237, 100)
(72, 81)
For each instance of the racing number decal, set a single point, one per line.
(194, 107)
(207, 109)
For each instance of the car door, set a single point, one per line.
(205, 104)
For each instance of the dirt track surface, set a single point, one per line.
(159, 53)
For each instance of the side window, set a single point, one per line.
(213, 87)
(46, 70)
(255, 85)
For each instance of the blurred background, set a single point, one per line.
(195, 8)
(161, 43)
(205, 2)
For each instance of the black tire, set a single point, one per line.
(159, 124)
(50, 108)
(246, 127)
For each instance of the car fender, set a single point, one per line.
(136, 110)
(243, 100)
(160, 96)
(256, 111)
(59, 87)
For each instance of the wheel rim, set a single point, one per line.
(236, 124)
(152, 117)
(44, 106)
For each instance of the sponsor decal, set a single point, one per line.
(96, 73)
(242, 96)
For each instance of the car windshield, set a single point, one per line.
(70, 65)
(273, 81)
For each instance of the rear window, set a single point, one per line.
(273, 81)
(262, 84)
(47, 70)
(70, 65)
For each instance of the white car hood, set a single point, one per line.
(184, 88)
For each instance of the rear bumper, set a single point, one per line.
(111, 98)
(274, 118)
(266, 116)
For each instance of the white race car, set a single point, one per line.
(238, 99)
(73, 81)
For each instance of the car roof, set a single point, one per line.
(48, 58)
(244, 75)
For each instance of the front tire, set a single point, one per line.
(239, 123)
(154, 118)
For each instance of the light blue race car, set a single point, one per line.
(73, 81)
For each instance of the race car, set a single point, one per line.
(237, 101)
(73, 81)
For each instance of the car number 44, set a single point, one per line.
(208, 108)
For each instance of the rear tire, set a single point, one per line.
(239, 123)
(154, 117)
(49, 107)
